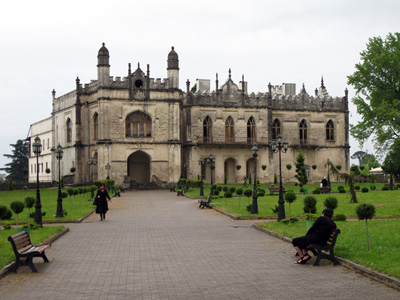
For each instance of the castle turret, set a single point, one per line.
(173, 69)
(103, 66)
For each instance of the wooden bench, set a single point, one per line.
(325, 190)
(320, 250)
(275, 189)
(23, 249)
(205, 203)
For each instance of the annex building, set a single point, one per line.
(141, 130)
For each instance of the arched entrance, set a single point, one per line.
(230, 172)
(139, 167)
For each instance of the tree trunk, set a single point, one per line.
(366, 223)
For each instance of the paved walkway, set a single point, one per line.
(155, 245)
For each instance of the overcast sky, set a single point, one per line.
(45, 45)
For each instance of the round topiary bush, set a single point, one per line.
(248, 193)
(357, 187)
(310, 205)
(340, 187)
(261, 192)
(342, 191)
(216, 192)
(292, 220)
(385, 188)
(239, 191)
(232, 189)
(228, 194)
(331, 202)
(339, 217)
(3, 210)
(316, 191)
(225, 188)
(364, 190)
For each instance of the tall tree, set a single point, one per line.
(371, 161)
(19, 162)
(360, 155)
(301, 170)
(377, 84)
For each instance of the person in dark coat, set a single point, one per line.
(101, 201)
(324, 182)
(319, 234)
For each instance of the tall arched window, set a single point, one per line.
(330, 131)
(69, 130)
(96, 127)
(276, 129)
(207, 130)
(303, 132)
(138, 124)
(229, 131)
(251, 131)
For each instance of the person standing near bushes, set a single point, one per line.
(101, 201)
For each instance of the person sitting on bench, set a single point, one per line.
(319, 234)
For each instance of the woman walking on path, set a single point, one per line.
(101, 201)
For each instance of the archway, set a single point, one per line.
(139, 167)
(229, 170)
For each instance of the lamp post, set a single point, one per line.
(108, 167)
(37, 149)
(254, 205)
(92, 161)
(280, 147)
(211, 160)
(59, 155)
(329, 179)
(201, 163)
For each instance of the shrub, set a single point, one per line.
(72, 170)
(263, 167)
(31, 225)
(17, 207)
(248, 208)
(385, 188)
(48, 171)
(228, 194)
(261, 192)
(357, 187)
(331, 202)
(339, 217)
(232, 189)
(310, 205)
(216, 187)
(364, 190)
(340, 187)
(216, 192)
(225, 188)
(3, 210)
(290, 196)
(291, 220)
(365, 212)
(316, 191)
(7, 215)
(239, 191)
(248, 193)
(7, 225)
(275, 209)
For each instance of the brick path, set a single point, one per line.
(155, 245)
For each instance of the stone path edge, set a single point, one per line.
(382, 278)
(52, 239)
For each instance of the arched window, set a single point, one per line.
(330, 131)
(138, 124)
(69, 130)
(251, 131)
(276, 129)
(303, 132)
(207, 130)
(229, 131)
(96, 127)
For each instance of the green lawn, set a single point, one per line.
(384, 254)
(76, 207)
(387, 203)
(37, 236)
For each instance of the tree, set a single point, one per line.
(301, 170)
(348, 179)
(29, 202)
(371, 161)
(17, 207)
(360, 155)
(365, 211)
(310, 206)
(377, 86)
(19, 162)
(290, 197)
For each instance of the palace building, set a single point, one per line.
(146, 132)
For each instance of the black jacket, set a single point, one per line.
(321, 231)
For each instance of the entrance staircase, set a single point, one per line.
(144, 186)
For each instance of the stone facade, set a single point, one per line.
(139, 129)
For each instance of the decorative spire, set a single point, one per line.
(230, 74)
(322, 81)
(129, 69)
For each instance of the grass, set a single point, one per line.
(75, 207)
(384, 255)
(387, 203)
(37, 236)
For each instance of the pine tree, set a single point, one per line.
(16, 169)
(301, 170)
